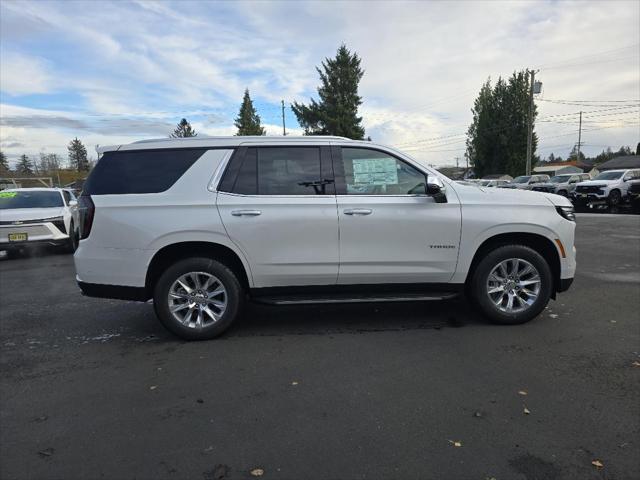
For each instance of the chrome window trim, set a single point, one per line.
(217, 174)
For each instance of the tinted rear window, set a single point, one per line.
(140, 171)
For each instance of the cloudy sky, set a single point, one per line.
(115, 72)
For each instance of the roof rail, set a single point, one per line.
(255, 137)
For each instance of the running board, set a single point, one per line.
(318, 299)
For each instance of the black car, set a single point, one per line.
(633, 194)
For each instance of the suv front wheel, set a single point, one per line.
(197, 298)
(512, 284)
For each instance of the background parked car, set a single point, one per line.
(610, 186)
(633, 194)
(562, 184)
(32, 216)
(493, 183)
(526, 182)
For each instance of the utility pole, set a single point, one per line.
(530, 123)
(457, 162)
(284, 128)
(579, 137)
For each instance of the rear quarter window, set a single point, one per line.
(140, 171)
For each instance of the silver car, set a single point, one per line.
(563, 184)
(526, 182)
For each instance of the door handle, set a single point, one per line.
(358, 211)
(246, 213)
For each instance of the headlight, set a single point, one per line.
(567, 212)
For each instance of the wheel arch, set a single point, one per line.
(541, 244)
(169, 254)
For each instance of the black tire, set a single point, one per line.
(74, 238)
(234, 297)
(563, 193)
(481, 298)
(614, 198)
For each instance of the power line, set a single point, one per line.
(591, 55)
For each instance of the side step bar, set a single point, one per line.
(319, 299)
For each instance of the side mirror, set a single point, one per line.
(73, 203)
(436, 190)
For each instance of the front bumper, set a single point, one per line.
(544, 189)
(44, 233)
(583, 198)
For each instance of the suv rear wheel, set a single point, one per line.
(197, 298)
(512, 284)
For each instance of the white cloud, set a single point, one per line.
(152, 62)
(24, 75)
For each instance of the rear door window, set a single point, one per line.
(288, 170)
(140, 171)
(279, 171)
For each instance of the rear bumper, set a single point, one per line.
(117, 292)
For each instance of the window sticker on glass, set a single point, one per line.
(375, 171)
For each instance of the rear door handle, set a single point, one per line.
(246, 213)
(358, 211)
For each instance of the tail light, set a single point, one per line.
(87, 210)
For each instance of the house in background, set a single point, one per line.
(619, 163)
(557, 169)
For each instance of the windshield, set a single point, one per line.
(35, 199)
(609, 176)
(560, 179)
(523, 179)
(485, 183)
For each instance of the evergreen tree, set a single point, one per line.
(573, 155)
(24, 165)
(248, 121)
(4, 163)
(497, 136)
(336, 113)
(78, 156)
(183, 130)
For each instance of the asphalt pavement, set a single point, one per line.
(97, 389)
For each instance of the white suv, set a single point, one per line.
(31, 216)
(610, 186)
(200, 225)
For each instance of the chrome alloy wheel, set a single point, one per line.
(197, 299)
(513, 285)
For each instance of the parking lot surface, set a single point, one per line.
(95, 388)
